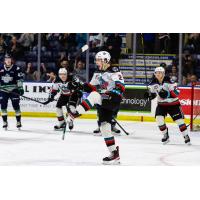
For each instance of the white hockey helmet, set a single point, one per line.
(104, 56)
(62, 71)
(159, 69)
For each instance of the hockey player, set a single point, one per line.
(112, 88)
(65, 84)
(113, 123)
(168, 103)
(11, 81)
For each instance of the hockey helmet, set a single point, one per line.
(104, 56)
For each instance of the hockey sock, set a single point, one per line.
(99, 123)
(61, 119)
(108, 137)
(18, 115)
(60, 115)
(182, 126)
(113, 123)
(4, 115)
(161, 124)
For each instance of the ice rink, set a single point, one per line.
(38, 144)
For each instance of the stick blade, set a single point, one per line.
(84, 48)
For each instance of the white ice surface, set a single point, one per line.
(38, 144)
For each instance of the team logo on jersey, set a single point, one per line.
(7, 78)
(103, 83)
(63, 88)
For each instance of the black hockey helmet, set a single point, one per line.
(7, 55)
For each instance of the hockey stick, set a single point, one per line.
(121, 126)
(81, 50)
(193, 119)
(64, 131)
(14, 93)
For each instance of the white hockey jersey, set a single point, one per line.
(155, 87)
(108, 80)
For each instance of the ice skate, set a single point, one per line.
(165, 138)
(115, 131)
(19, 125)
(113, 159)
(59, 127)
(5, 126)
(70, 125)
(97, 132)
(187, 139)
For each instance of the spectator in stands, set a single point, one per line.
(51, 77)
(40, 75)
(64, 63)
(113, 45)
(53, 40)
(184, 81)
(193, 78)
(26, 40)
(80, 70)
(96, 41)
(164, 39)
(29, 72)
(193, 43)
(188, 64)
(15, 48)
(174, 74)
(3, 47)
(62, 57)
(70, 42)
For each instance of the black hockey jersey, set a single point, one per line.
(11, 78)
(65, 88)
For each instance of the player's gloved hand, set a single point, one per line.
(115, 97)
(147, 95)
(21, 91)
(112, 96)
(87, 87)
(163, 94)
(72, 85)
(78, 93)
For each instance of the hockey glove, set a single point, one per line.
(49, 100)
(164, 94)
(87, 87)
(21, 91)
(115, 97)
(148, 95)
(74, 86)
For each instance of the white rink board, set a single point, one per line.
(40, 91)
(37, 91)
